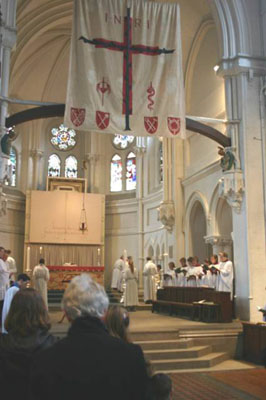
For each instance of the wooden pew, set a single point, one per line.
(175, 299)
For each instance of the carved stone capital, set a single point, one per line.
(217, 240)
(91, 158)
(166, 214)
(231, 188)
(3, 202)
(36, 154)
(140, 150)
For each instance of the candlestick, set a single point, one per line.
(98, 257)
(40, 250)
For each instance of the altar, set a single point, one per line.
(60, 276)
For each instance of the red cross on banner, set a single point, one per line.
(126, 68)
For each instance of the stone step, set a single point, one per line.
(170, 354)
(165, 344)
(153, 336)
(206, 361)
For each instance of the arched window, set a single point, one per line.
(12, 168)
(116, 174)
(54, 165)
(71, 167)
(131, 177)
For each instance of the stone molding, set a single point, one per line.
(217, 240)
(3, 202)
(231, 188)
(166, 214)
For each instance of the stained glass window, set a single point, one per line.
(12, 168)
(122, 141)
(161, 162)
(116, 174)
(63, 138)
(131, 177)
(71, 167)
(54, 165)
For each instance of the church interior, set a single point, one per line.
(80, 199)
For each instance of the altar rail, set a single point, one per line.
(184, 297)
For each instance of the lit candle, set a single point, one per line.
(98, 257)
(99, 251)
(40, 250)
(28, 260)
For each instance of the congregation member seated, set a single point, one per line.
(159, 387)
(28, 325)
(89, 363)
(117, 323)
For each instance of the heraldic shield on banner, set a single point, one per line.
(102, 119)
(77, 116)
(174, 125)
(151, 124)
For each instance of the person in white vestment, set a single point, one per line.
(169, 275)
(181, 272)
(149, 281)
(4, 279)
(11, 266)
(225, 274)
(117, 271)
(21, 283)
(193, 272)
(131, 291)
(40, 278)
(159, 277)
(205, 274)
(213, 267)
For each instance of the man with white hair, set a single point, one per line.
(89, 363)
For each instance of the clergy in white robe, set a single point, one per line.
(131, 290)
(11, 266)
(4, 279)
(149, 281)
(40, 278)
(21, 283)
(117, 272)
(226, 275)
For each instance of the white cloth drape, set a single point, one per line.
(118, 69)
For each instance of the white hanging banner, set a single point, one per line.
(125, 74)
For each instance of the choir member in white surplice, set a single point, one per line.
(181, 272)
(169, 275)
(40, 278)
(225, 275)
(117, 272)
(204, 276)
(192, 273)
(149, 281)
(131, 291)
(214, 268)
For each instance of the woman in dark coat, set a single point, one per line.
(27, 325)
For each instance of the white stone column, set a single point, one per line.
(7, 41)
(36, 156)
(243, 86)
(140, 150)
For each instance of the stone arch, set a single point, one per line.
(197, 212)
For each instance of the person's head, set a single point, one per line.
(223, 256)
(8, 252)
(148, 259)
(159, 267)
(2, 251)
(195, 260)
(84, 297)
(41, 261)
(5, 255)
(171, 265)
(190, 260)
(183, 262)
(23, 280)
(159, 387)
(117, 322)
(27, 314)
(214, 259)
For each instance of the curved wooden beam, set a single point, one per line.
(58, 110)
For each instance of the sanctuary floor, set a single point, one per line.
(231, 379)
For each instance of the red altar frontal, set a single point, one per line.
(60, 276)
